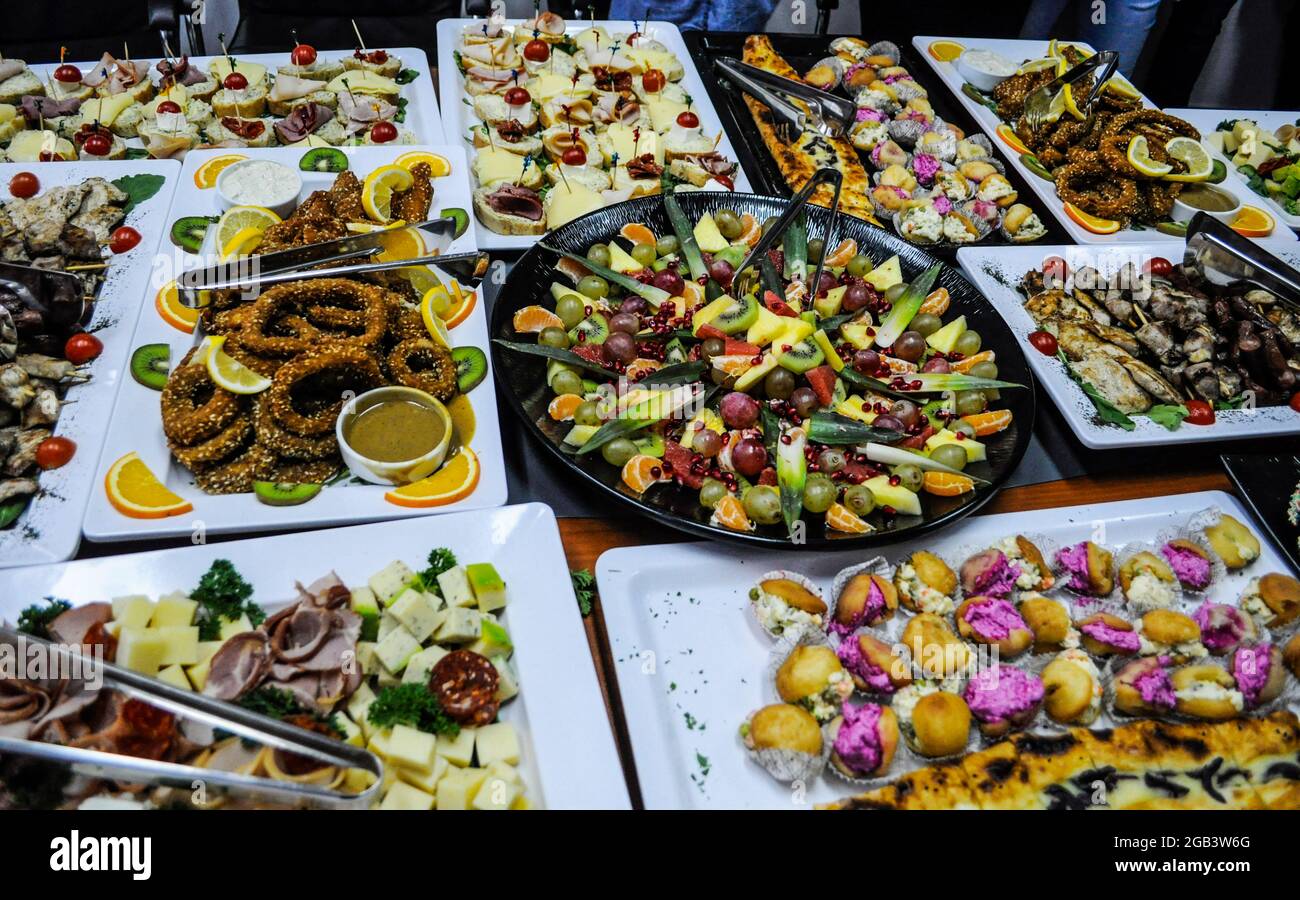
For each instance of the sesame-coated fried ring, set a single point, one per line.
(295, 298)
(315, 472)
(1093, 187)
(424, 364)
(262, 365)
(236, 476)
(193, 408)
(318, 381)
(227, 441)
(287, 444)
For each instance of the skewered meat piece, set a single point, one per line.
(17, 487)
(38, 365)
(15, 390)
(1117, 304)
(22, 458)
(1151, 381)
(1112, 381)
(1078, 342)
(1183, 309)
(1095, 310)
(44, 408)
(1199, 344)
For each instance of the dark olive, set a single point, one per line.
(816, 247)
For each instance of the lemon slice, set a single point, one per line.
(1190, 153)
(229, 373)
(1057, 108)
(237, 218)
(378, 189)
(204, 350)
(370, 227)
(241, 243)
(1139, 157)
(434, 305)
(1067, 96)
(422, 278)
(1036, 64)
(1122, 87)
(437, 327)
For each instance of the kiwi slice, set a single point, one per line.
(801, 357)
(471, 368)
(150, 364)
(738, 316)
(284, 493)
(188, 232)
(650, 445)
(595, 327)
(460, 216)
(323, 159)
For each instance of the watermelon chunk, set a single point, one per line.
(708, 331)
(741, 348)
(680, 457)
(777, 305)
(822, 380)
(592, 353)
(917, 441)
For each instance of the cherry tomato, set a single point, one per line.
(81, 348)
(235, 81)
(303, 55)
(688, 119)
(1199, 413)
(1055, 269)
(653, 81)
(383, 132)
(24, 185)
(378, 57)
(169, 106)
(67, 74)
(123, 239)
(1044, 342)
(537, 50)
(1157, 266)
(518, 96)
(1295, 401)
(725, 181)
(54, 452)
(574, 156)
(97, 144)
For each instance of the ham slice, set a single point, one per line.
(363, 112)
(238, 666)
(291, 87)
(162, 146)
(302, 121)
(516, 200)
(71, 627)
(35, 107)
(99, 72)
(547, 23)
(180, 71)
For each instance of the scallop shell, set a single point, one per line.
(885, 48)
(835, 67)
(905, 132)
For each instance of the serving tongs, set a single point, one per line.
(1226, 258)
(195, 707)
(1039, 102)
(58, 297)
(343, 257)
(824, 113)
(797, 204)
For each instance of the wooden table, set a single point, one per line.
(586, 539)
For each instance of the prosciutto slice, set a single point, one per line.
(516, 200)
(291, 87)
(180, 71)
(72, 626)
(302, 121)
(35, 107)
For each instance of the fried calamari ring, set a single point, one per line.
(424, 364)
(328, 373)
(193, 408)
(1090, 185)
(286, 304)
(405, 322)
(412, 205)
(214, 450)
(236, 476)
(315, 472)
(287, 444)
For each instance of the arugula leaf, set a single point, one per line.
(138, 189)
(406, 76)
(1168, 414)
(584, 588)
(413, 705)
(35, 619)
(223, 594)
(1106, 410)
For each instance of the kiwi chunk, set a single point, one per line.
(188, 232)
(471, 368)
(801, 357)
(150, 364)
(284, 493)
(737, 317)
(595, 327)
(323, 159)
(461, 218)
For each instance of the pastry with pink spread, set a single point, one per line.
(1087, 568)
(1224, 628)
(994, 622)
(863, 740)
(866, 599)
(873, 665)
(1260, 673)
(1191, 565)
(1105, 635)
(1144, 688)
(1003, 698)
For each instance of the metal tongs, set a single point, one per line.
(1039, 102)
(822, 112)
(797, 203)
(1225, 257)
(208, 711)
(326, 258)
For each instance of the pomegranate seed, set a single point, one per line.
(895, 481)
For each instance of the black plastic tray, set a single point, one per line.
(802, 51)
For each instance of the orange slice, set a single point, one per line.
(206, 175)
(1091, 222)
(840, 518)
(936, 302)
(136, 492)
(1252, 222)
(730, 513)
(640, 367)
(750, 229)
(463, 303)
(399, 244)
(454, 481)
(841, 255)
(168, 304)
(562, 408)
(532, 319)
(945, 51)
(693, 295)
(440, 166)
(946, 484)
(641, 471)
(964, 365)
(637, 233)
(572, 268)
(990, 422)
(1010, 138)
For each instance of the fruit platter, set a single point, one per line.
(748, 407)
(127, 108)
(564, 117)
(1120, 176)
(457, 685)
(1129, 633)
(184, 449)
(1138, 350)
(63, 357)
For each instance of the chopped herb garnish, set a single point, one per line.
(35, 619)
(223, 594)
(413, 705)
(441, 560)
(584, 589)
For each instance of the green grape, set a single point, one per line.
(859, 499)
(554, 337)
(599, 254)
(587, 413)
(984, 370)
(728, 223)
(769, 223)
(816, 247)
(571, 310)
(950, 455)
(893, 293)
(566, 383)
(818, 493)
(763, 504)
(926, 324)
(644, 254)
(968, 343)
(711, 491)
(910, 477)
(970, 402)
(618, 451)
(960, 427)
(666, 245)
(593, 286)
(860, 265)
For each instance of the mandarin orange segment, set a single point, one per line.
(562, 408)
(730, 513)
(840, 518)
(532, 319)
(642, 471)
(990, 422)
(964, 365)
(946, 484)
(936, 302)
(637, 233)
(840, 256)
(750, 229)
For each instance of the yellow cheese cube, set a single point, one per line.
(396, 648)
(232, 627)
(133, 611)
(378, 742)
(175, 676)
(458, 787)
(495, 793)
(357, 780)
(425, 781)
(422, 663)
(388, 582)
(496, 743)
(504, 770)
(411, 748)
(141, 650)
(198, 675)
(220, 67)
(182, 644)
(208, 649)
(403, 796)
(418, 611)
(174, 609)
(663, 113)
(352, 733)
(358, 707)
(458, 750)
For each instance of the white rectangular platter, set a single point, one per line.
(690, 655)
(421, 117)
(570, 758)
(136, 424)
(1018, 51)
(460, 116)
(996, 272)
(50, 529)
(1207, 120)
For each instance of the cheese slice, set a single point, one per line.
(621, 139)
(663, 112)
(646, 58)
(547, 86)
(105, 110)
(220, 67)
(362, 81)
(176, 93)
(494, 165)
(566, 202)
(27, 146)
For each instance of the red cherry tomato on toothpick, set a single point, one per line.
(1056, 269)
(653, 81)
(574, 156)
(688, 119)
(169, 106)
(67, 74)
(383, 132)
(517, 96)
(124, 239)
(1157, 266)
(81, 348)
(537, 50)
(235, 81)
(97, 145)
(54, 452)
(24, 185)
(1295, 401)
(1044, 342)
(1199, 413)
(303, 55)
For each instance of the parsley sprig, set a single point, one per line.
(584, 588)
(223, 594)
(413, 705)
(35, 619)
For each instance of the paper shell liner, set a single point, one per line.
(1289, 699)
(800, 579)
(785, 645)
(1196, 524)
(875, 566)
(789, 766)
(1218, 571)
(1137, 610)
(1045, 545)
